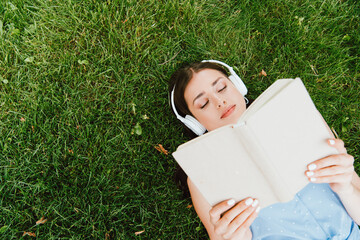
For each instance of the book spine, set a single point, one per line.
(258, 155)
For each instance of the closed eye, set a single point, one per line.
(204, 104)
(222, 88)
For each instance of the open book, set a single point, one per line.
(266, 154)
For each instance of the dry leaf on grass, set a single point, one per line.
(107, 236)
(140, 232)
(262, 73)
(189, 206)
(41, 221)
(161, 149)
(22, 119)
(30, 234)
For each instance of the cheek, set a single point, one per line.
(211, 122)
(239, 99)
(206, 118)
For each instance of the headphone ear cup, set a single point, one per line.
(239, 84)
(194, 125)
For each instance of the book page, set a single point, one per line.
(292, 133)
(266, 96)
(269, 171)
(221, 168)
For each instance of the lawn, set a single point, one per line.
(84, 102)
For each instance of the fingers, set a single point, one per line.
(241, 231)
(333, 169)
(230, 218)
(241, 222)
(333, 174)
(338, 144)
(241, 207)
(340, 178)
(343, 160)
(219, 209)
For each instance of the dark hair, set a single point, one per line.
(180, 79)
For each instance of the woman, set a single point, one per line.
(327, 208)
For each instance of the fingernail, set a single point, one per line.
(248, 201)
(258, 209)
(309, 174)
(231, 202)
(312, 179)
(256, 202)
(312, 167)
(332, 142)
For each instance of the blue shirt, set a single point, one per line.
(316, 212)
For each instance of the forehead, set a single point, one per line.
(203, 78)
(201, 81)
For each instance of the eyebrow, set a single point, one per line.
(202, 93)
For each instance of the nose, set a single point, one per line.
(221, 103)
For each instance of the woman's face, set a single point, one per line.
(213, 99)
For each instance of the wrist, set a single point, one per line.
(344, 191)
(248, 234)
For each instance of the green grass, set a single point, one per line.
(80, 79)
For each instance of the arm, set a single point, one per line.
(351, 200)
(338, 171)
(225, 220)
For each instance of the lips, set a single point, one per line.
(228, 111)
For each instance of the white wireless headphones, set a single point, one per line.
(189, 121)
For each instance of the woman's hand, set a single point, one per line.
(232, 221)
(337, 170)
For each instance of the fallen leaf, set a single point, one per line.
(161, 149)
(71, 151)
(145, 117)
(262, 73)
(32, 127)
(107, 236)
(22, 119)
(137, 129)
(140, 232)
(41, 221)
(83, 62)
(29, 60)
(189, 206)
(30, 234)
